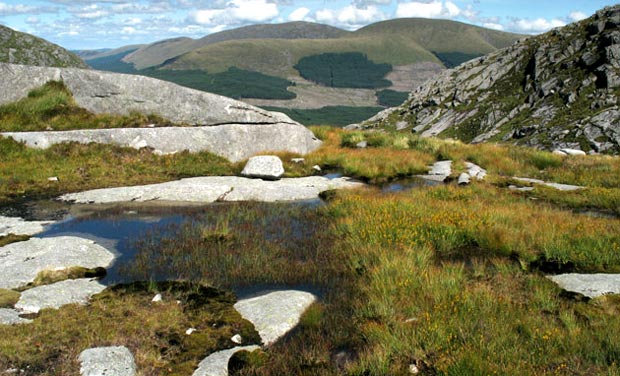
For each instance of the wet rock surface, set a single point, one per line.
(19, 226)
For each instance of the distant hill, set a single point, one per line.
(159, 52)
(555, 90)
(22, 48)
(409, 50)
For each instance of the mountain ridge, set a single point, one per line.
(21, 48)
(556, 90)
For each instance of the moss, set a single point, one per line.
(8, 298)
(11, 238)
(47, 277)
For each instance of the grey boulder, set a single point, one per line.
(56, 295)
(107, 361)
(267, 167)
(235, 130)
(22, 261)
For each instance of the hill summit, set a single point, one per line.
(25, 49)
(556, 90)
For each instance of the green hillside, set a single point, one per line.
(21, 48)
(158, 53)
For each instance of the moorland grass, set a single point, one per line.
(24, 172)
(446, 278)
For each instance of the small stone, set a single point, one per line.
(190, 331)
(298, 160)
(52, 178)
(237, 339)
(157, 298)
(11, 317)
(362, 145)
(316, 168)
(413, 369)
(267, 167)
(464, 179)
(107, 361)
(559, 152)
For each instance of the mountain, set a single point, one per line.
(159, 52)
(21, 48)
(310, 67)
(556, 90)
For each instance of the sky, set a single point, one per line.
(86, 24)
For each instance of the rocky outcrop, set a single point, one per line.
(237, 130)
(557, 90)
(21, 48)
(216, 188)
(11, 317)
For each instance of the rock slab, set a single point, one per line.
(71, 291)
(216, 364)
(107, 361)
(19, 226)
(234, 142)
(11, 317)
(275, 313)
(235, 129)
(217, 188)
(268, 167)
(590, 285)
(21, 262)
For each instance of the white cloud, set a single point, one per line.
(538, 25)
(494, 26)
(432, 9)
(32, 20)
(577, 16)
(299, 14)
(418, 9)
(350, 16)
(237, 12)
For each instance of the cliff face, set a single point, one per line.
(559, 89)
(21, 48)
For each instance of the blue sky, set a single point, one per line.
(86, 24)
